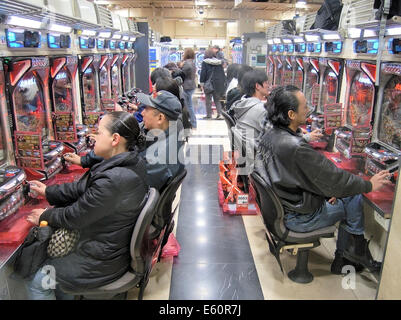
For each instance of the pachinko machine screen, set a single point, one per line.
(29, 105)
(89, 89)
(270, 72)
(278, 72)
(329, 88)
(104, 83)
(360, 101)
(126, 76)
(287, 73)
(298, 77)
(312, 77)
(390, 119)
(115, 83)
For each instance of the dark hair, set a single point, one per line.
(159, 73)
(279, 102)
(209, 54)
(126, 126)
(175, 73)
(170, 66)
(250, 79)
(189, 53)
(232, 71)
(168, 84)
(244, 69)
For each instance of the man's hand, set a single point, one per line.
(332, 200)
(37, 187)
(35, 216)
(380, 179)
(72, 158)
(316, 135)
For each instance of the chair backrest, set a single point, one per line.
(229, 120)
(269, 204)
(164, 206)
(141, 254)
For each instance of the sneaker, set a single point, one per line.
(363, 257)
(339, 262)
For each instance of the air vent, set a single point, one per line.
(358, 14)
(309, 21)
(104, 17)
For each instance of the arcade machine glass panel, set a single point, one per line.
(29, 105)
(278, 72)
(125, 75)
(312, 79)
(62, 91)
(329, 88)
(89, 90)
(298, 75)
(104, 83)
(287, 72)
(389, 130)
(115, 83)
(3, 150)
(360, 101)
(270, 72)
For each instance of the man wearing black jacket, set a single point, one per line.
(313, 191)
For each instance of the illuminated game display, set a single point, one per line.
(311, 85)
(278, 71)
(299, 73)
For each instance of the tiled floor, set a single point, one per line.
(227, 257)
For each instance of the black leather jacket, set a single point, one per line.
(302, 177)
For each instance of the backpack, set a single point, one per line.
(328, 16)
(395, 8)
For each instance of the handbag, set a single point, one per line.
(62, 242)
(208, 86)
(33, 251)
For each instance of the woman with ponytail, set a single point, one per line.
(103, 206)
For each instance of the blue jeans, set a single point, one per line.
(188, 101)
(43, 287)
(347, 210)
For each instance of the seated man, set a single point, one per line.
(313, 191)
(164, 139)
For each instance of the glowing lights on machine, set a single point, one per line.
(57, 41)
(333, 46)
(19, 38)
(86, 43)
(394, 46)
(24, 22)
(315, 47)
(368, 46)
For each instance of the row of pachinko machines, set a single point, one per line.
(351, 78)
(56, 80)
(355, 96)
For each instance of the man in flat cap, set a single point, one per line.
(163, 143)
(164, 139)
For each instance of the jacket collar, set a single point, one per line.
(125, 159)
(298, 133)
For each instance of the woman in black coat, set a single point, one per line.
(213, 73)
(103, 206)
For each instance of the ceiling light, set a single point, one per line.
(60, 28)
(332, 36)
(393, 31)
(104, 34)
(88, 33)
(300, 4)
(23, 22)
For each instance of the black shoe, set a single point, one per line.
(207, 117)
(339, 262)
(359, 253)
(219, 117)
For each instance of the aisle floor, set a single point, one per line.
(225, 257)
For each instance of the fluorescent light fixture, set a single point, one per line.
(88, 33)
(104, 34)
(393, 31)
(23, 22)
(132, 39)
(331, 36)
(287, 41)
(270, 41)
(117, 36)
(125, 38)
(298, 40)
(59, 28)
(276, 40)
(312, 38)
(369, 33)
(16, 30)
(354, 32)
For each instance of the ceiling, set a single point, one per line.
(214, 9)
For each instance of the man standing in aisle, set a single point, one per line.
(313, 191)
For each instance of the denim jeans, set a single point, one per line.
(43, 287)
(188, 100)
(347, 210)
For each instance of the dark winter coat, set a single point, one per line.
(189, 70)
(302, 177)
(213, 66)
(103, 206)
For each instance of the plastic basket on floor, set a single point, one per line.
(171, 248)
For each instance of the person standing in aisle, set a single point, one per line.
(189, 84)
(213, 82)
